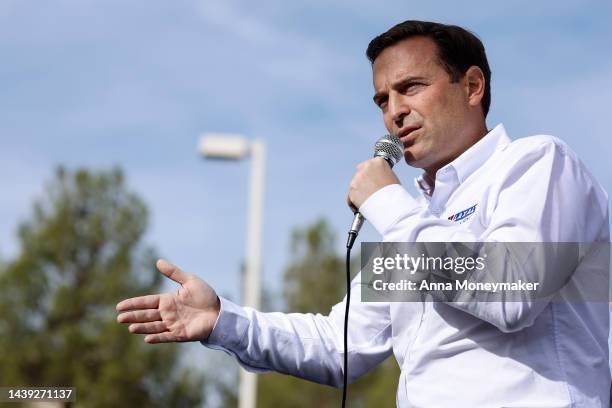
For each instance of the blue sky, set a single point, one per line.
(134, 84)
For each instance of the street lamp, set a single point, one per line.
(235, 147)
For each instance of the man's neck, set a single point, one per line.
(429, 175)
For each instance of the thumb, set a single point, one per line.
(172, 271)
(351, 205)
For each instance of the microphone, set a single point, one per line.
(391, 149)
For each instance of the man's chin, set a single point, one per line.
(412, 160)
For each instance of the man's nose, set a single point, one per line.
(398, 109)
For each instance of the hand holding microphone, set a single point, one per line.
(371, 176)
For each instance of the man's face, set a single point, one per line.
(420, 105)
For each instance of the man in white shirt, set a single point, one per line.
(432, 84)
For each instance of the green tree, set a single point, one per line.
(313, 282)
(80, 253)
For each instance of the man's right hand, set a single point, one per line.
(189, 314)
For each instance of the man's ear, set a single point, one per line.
(475, 85)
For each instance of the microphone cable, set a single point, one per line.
(346, 316)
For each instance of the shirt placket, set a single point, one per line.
(446, 183)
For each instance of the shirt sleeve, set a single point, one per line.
(546, 195)
(308, 346)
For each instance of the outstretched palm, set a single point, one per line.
(189, 314)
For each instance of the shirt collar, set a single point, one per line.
(472, 159)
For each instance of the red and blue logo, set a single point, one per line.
(461, 215)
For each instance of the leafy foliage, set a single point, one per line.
(81, 252)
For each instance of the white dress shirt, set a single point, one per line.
(471, 354)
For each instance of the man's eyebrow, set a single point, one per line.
(398, 84)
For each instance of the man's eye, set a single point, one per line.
(412, 86)
(382, 103)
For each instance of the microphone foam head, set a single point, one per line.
(390, 148)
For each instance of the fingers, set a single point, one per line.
(165, 337)
(350, 204)
(147, 328)
(139, 316)
(172, 271)
(371, 176)
(141, 302)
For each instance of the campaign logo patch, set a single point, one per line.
(462, 215)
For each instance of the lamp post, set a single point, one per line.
(236, 147)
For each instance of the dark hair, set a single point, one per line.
(458, 49)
